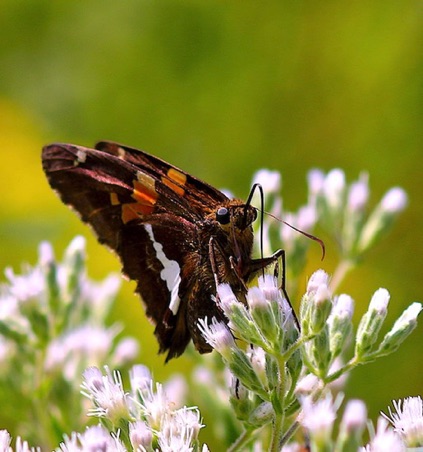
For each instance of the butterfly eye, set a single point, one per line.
(222, 215)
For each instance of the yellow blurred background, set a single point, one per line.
(222, 89)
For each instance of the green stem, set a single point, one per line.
(350, 365)
(243, 439)
(279, 407)
(277, 433)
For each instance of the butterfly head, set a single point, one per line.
(235, 216)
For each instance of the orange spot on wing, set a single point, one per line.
(175, 180)
(144, 194)
(114, 200)
(135, 210)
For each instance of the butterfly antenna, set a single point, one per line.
(258, 187)
(306, 234)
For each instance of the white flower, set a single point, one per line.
(126, 351)
(23, 446)
(385, 439)
(408, 317)
(46, 254)
(318, 417)
(95, 438)
(269, 287)
(29, 285)
(257, 358)
(74, 351)
(303, 220)
(316, 179)
(5, 440)
(308, 385)
(269, 180)
(407, 420)
(179, 430)
(226, 298)
(140, 436)
(358, 194)
(218, 335)
(154, 405)
(176, 389)
(395, 200)
(355, 416)
(140, 378)
(343, 306)
(333, 188)
(106, 393)
(317, 279)
(379, 301)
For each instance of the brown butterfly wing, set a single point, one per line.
(146, 211)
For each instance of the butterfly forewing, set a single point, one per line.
(198, 194)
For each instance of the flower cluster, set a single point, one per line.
(52, 326)
(279, 363)
(341, 209)
(402, 431)
(146, 418)
(274, 381)
(283, 364)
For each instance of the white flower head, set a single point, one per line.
(317, 279)
(379, 301)
(308, 385)
(5, 440)
(69, 352)
(140, 435)
(176, 389)
(407, 419)
(95, 438)
(269, 180)
(358, 194)
(334, 187)
(106, 393)
(126, 351)
(23, 446)
(28, 286)
(140, 378)
(226, 298)
(179, 430)
(318, 417)
(343, 306)
(268, 285)
(155, 405)
(46, 254)
(395, 200)
(218, 335)
(316, 179)
(385, 439)
(355, 416)
(408, 317)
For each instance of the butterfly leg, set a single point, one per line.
(212, 257)
(260, 264)
(235, 267)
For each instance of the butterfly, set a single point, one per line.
(176, 236)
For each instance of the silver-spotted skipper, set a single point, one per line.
(176, 236)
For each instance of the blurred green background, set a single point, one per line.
(222, 89)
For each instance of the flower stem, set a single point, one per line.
(243, 439)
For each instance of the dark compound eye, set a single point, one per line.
(222, 215)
